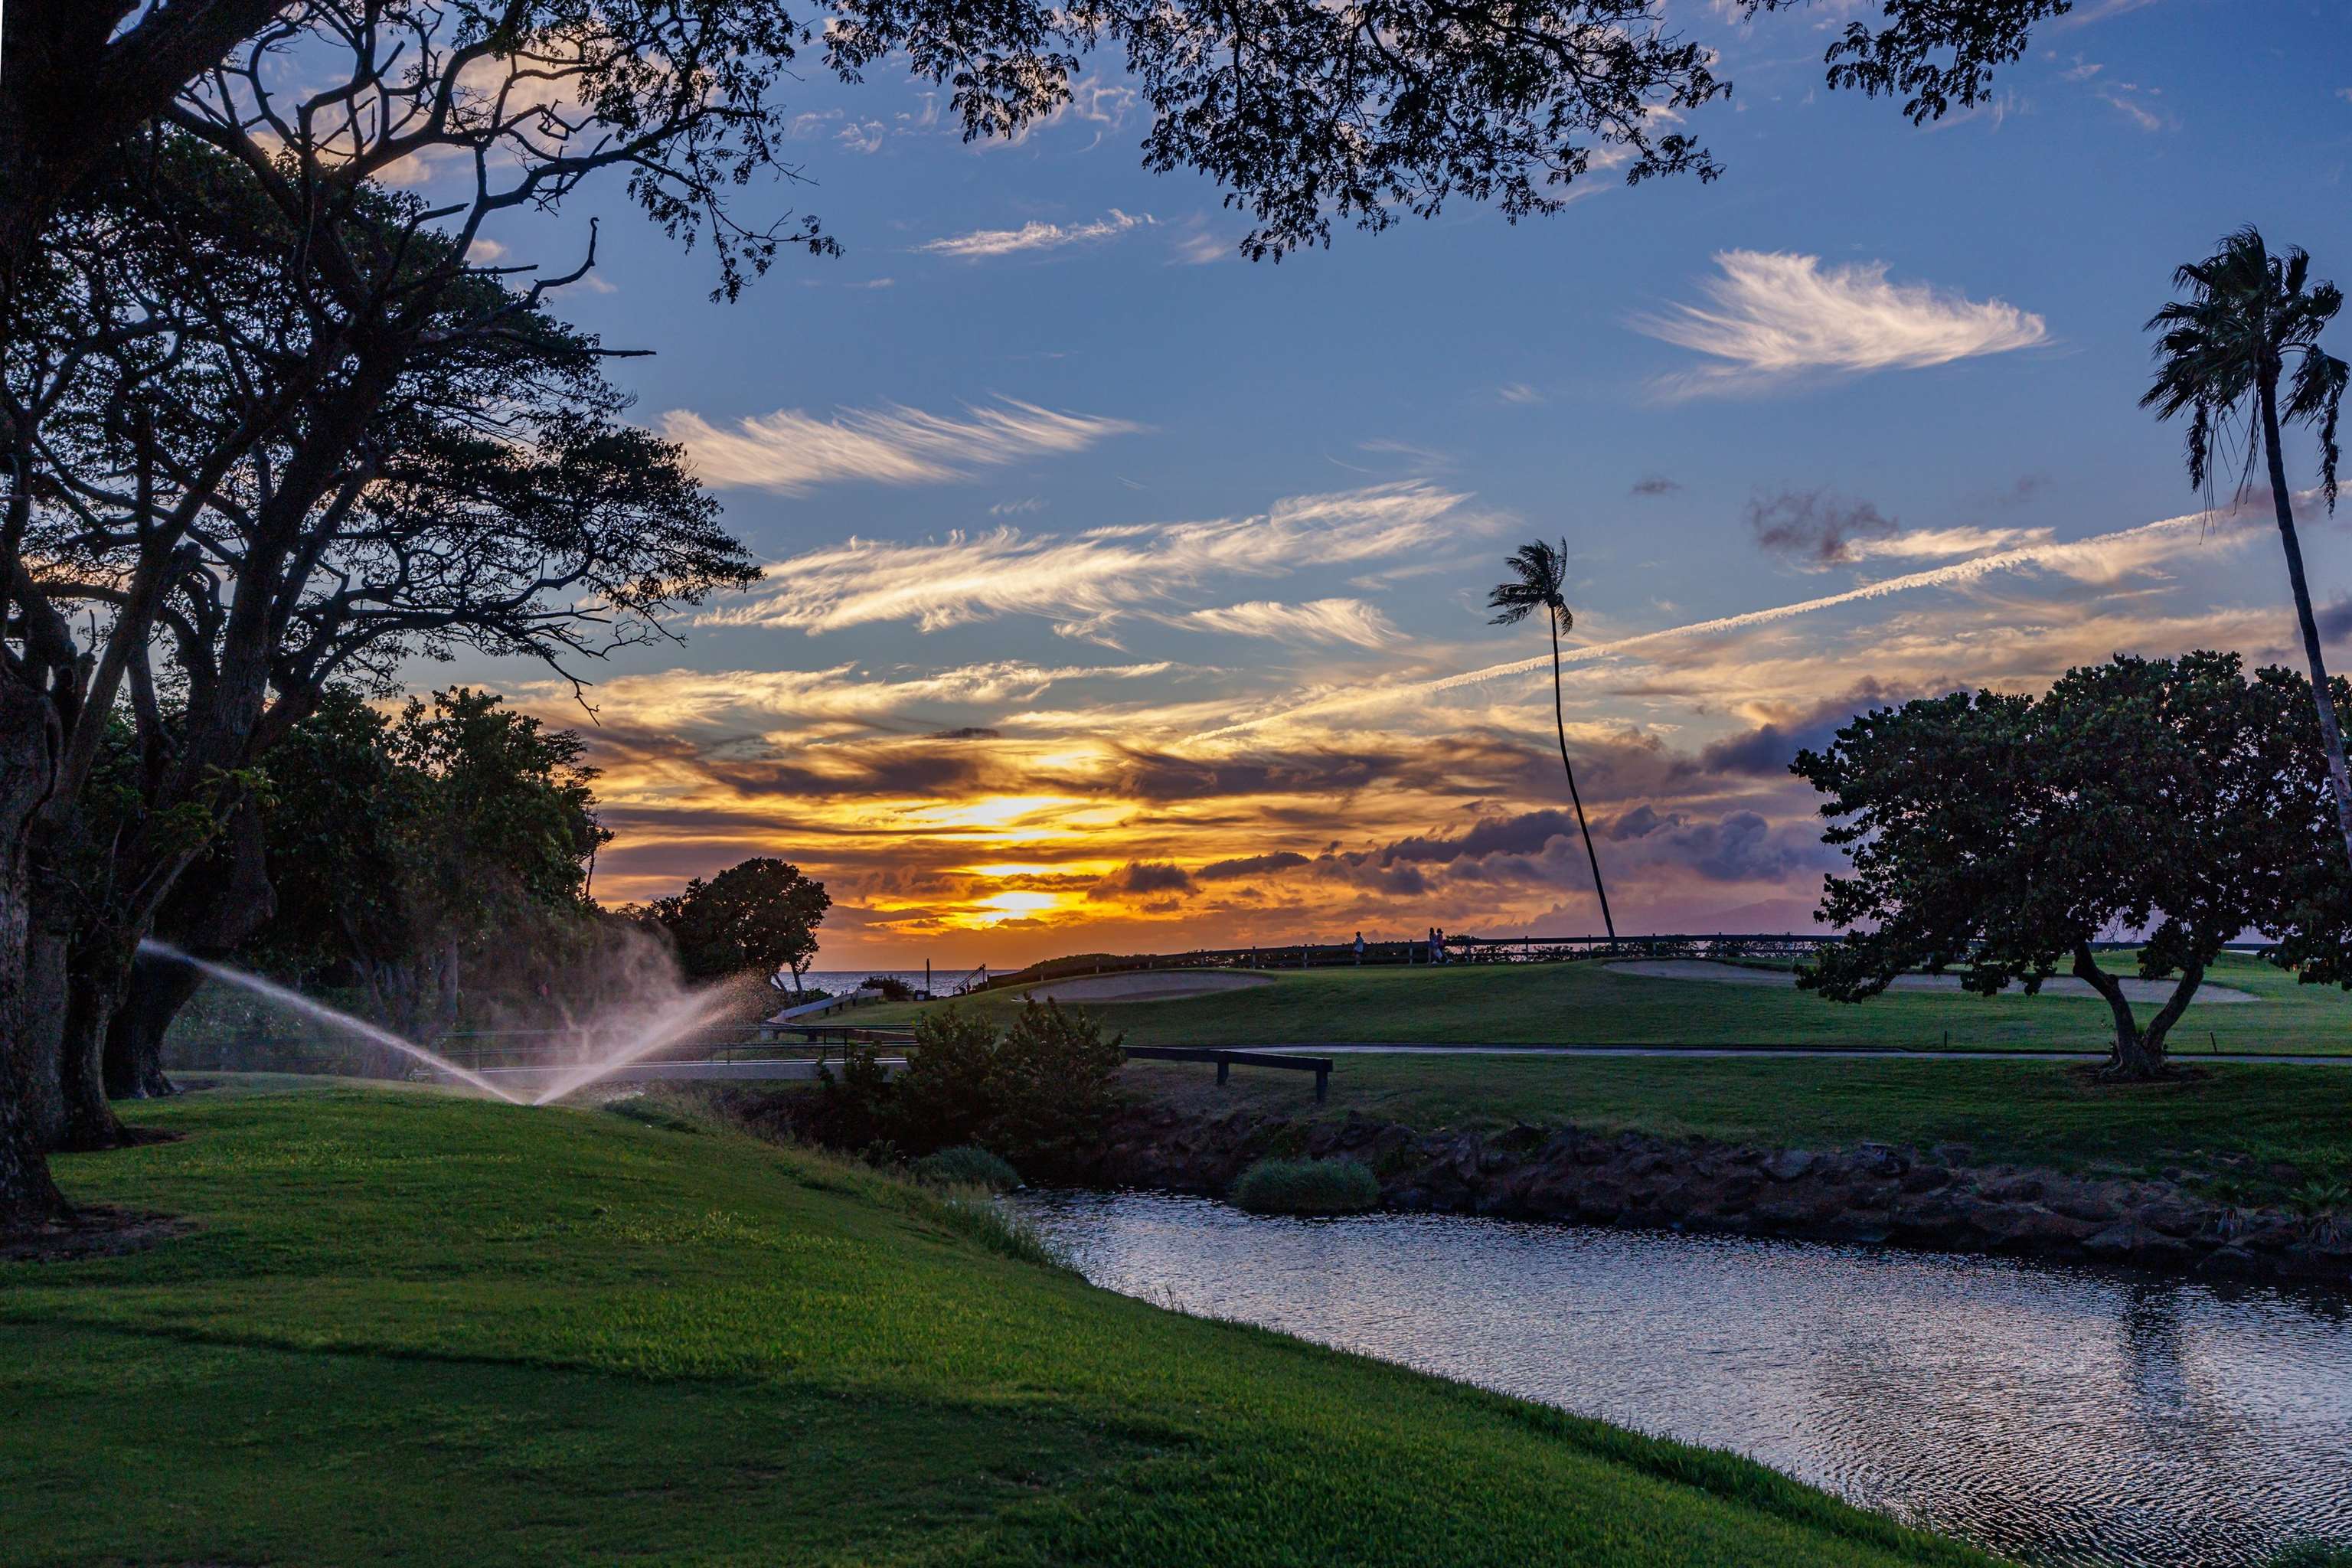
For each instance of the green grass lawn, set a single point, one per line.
(418, 1328)
(2237, 1120)
(1586, 1004)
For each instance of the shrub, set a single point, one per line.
(966, 1165)
(893, 989)
(946, 1095)
(1052, 1083)
(1307, 1186)
(850, 1105)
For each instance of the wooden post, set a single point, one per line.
(1224, 1070)
(1322, 1085)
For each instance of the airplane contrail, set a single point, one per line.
(2024, 556)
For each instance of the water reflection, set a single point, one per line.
(2064, 1416)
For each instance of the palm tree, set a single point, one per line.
(2249, 317)
(1537, 570)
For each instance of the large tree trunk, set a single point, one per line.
(29, 754)
(219, 906)
(159, 988)
(2330, 734)
(1559, 723)
(2137, 1056)
(96, 974)
(40, 1064)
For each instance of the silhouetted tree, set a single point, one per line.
(761, 914)
(2250, 318)
(1537, 572)
(2002, 836)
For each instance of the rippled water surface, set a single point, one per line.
(2063, 1416)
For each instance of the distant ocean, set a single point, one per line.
(837, 981)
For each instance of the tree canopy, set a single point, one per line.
(761, 914)
(2001, 837)
(406, 847)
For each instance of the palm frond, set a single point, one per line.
(1537, 570)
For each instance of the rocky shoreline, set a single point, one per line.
(1938, 1198)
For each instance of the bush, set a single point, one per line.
(946, 1095)
(851, 1106)
(893, 989)
(1307, 1186)
(966, 1165)
(1052, 1083)
(1039, 1092)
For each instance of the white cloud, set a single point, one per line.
(2098, 11)
(1775, 315)
(790, 452)
(1519, 392)
(681, 698)
(1199, 249)
(2101, 561)
(1084, 581)
(1932, 544)
(2121, 99)
(1317, 620)
(1034, 235)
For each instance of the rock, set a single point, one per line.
(1788, 1164)
(2171, 1218)
(1878, 1159)
(1926, 1179)
(2040, 1230)
(1953, 1153)
(2128, 1240)
(2230, 1262)
(2316, 1260)
(2079, 1204)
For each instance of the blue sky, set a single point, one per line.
(1164, 560)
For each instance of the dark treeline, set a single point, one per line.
(271, 426)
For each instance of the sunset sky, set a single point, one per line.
(1124, 594)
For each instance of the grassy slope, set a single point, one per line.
(2240, 1120)
(1585, 1003)
(421, 1329)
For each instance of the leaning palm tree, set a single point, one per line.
(2249, 319)
(1537, 570)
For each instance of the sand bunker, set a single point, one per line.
(1144, 985)
(2135, 990)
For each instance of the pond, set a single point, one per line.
(2063, 1415)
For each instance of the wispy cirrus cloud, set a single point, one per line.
(1086, 579)
(678, 700)
(2101, 561)
(1772, 316)
(1317, 620)
(983, 243)
(790, 453)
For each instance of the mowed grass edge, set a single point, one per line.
(418, 1328)
(1588, 1003)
